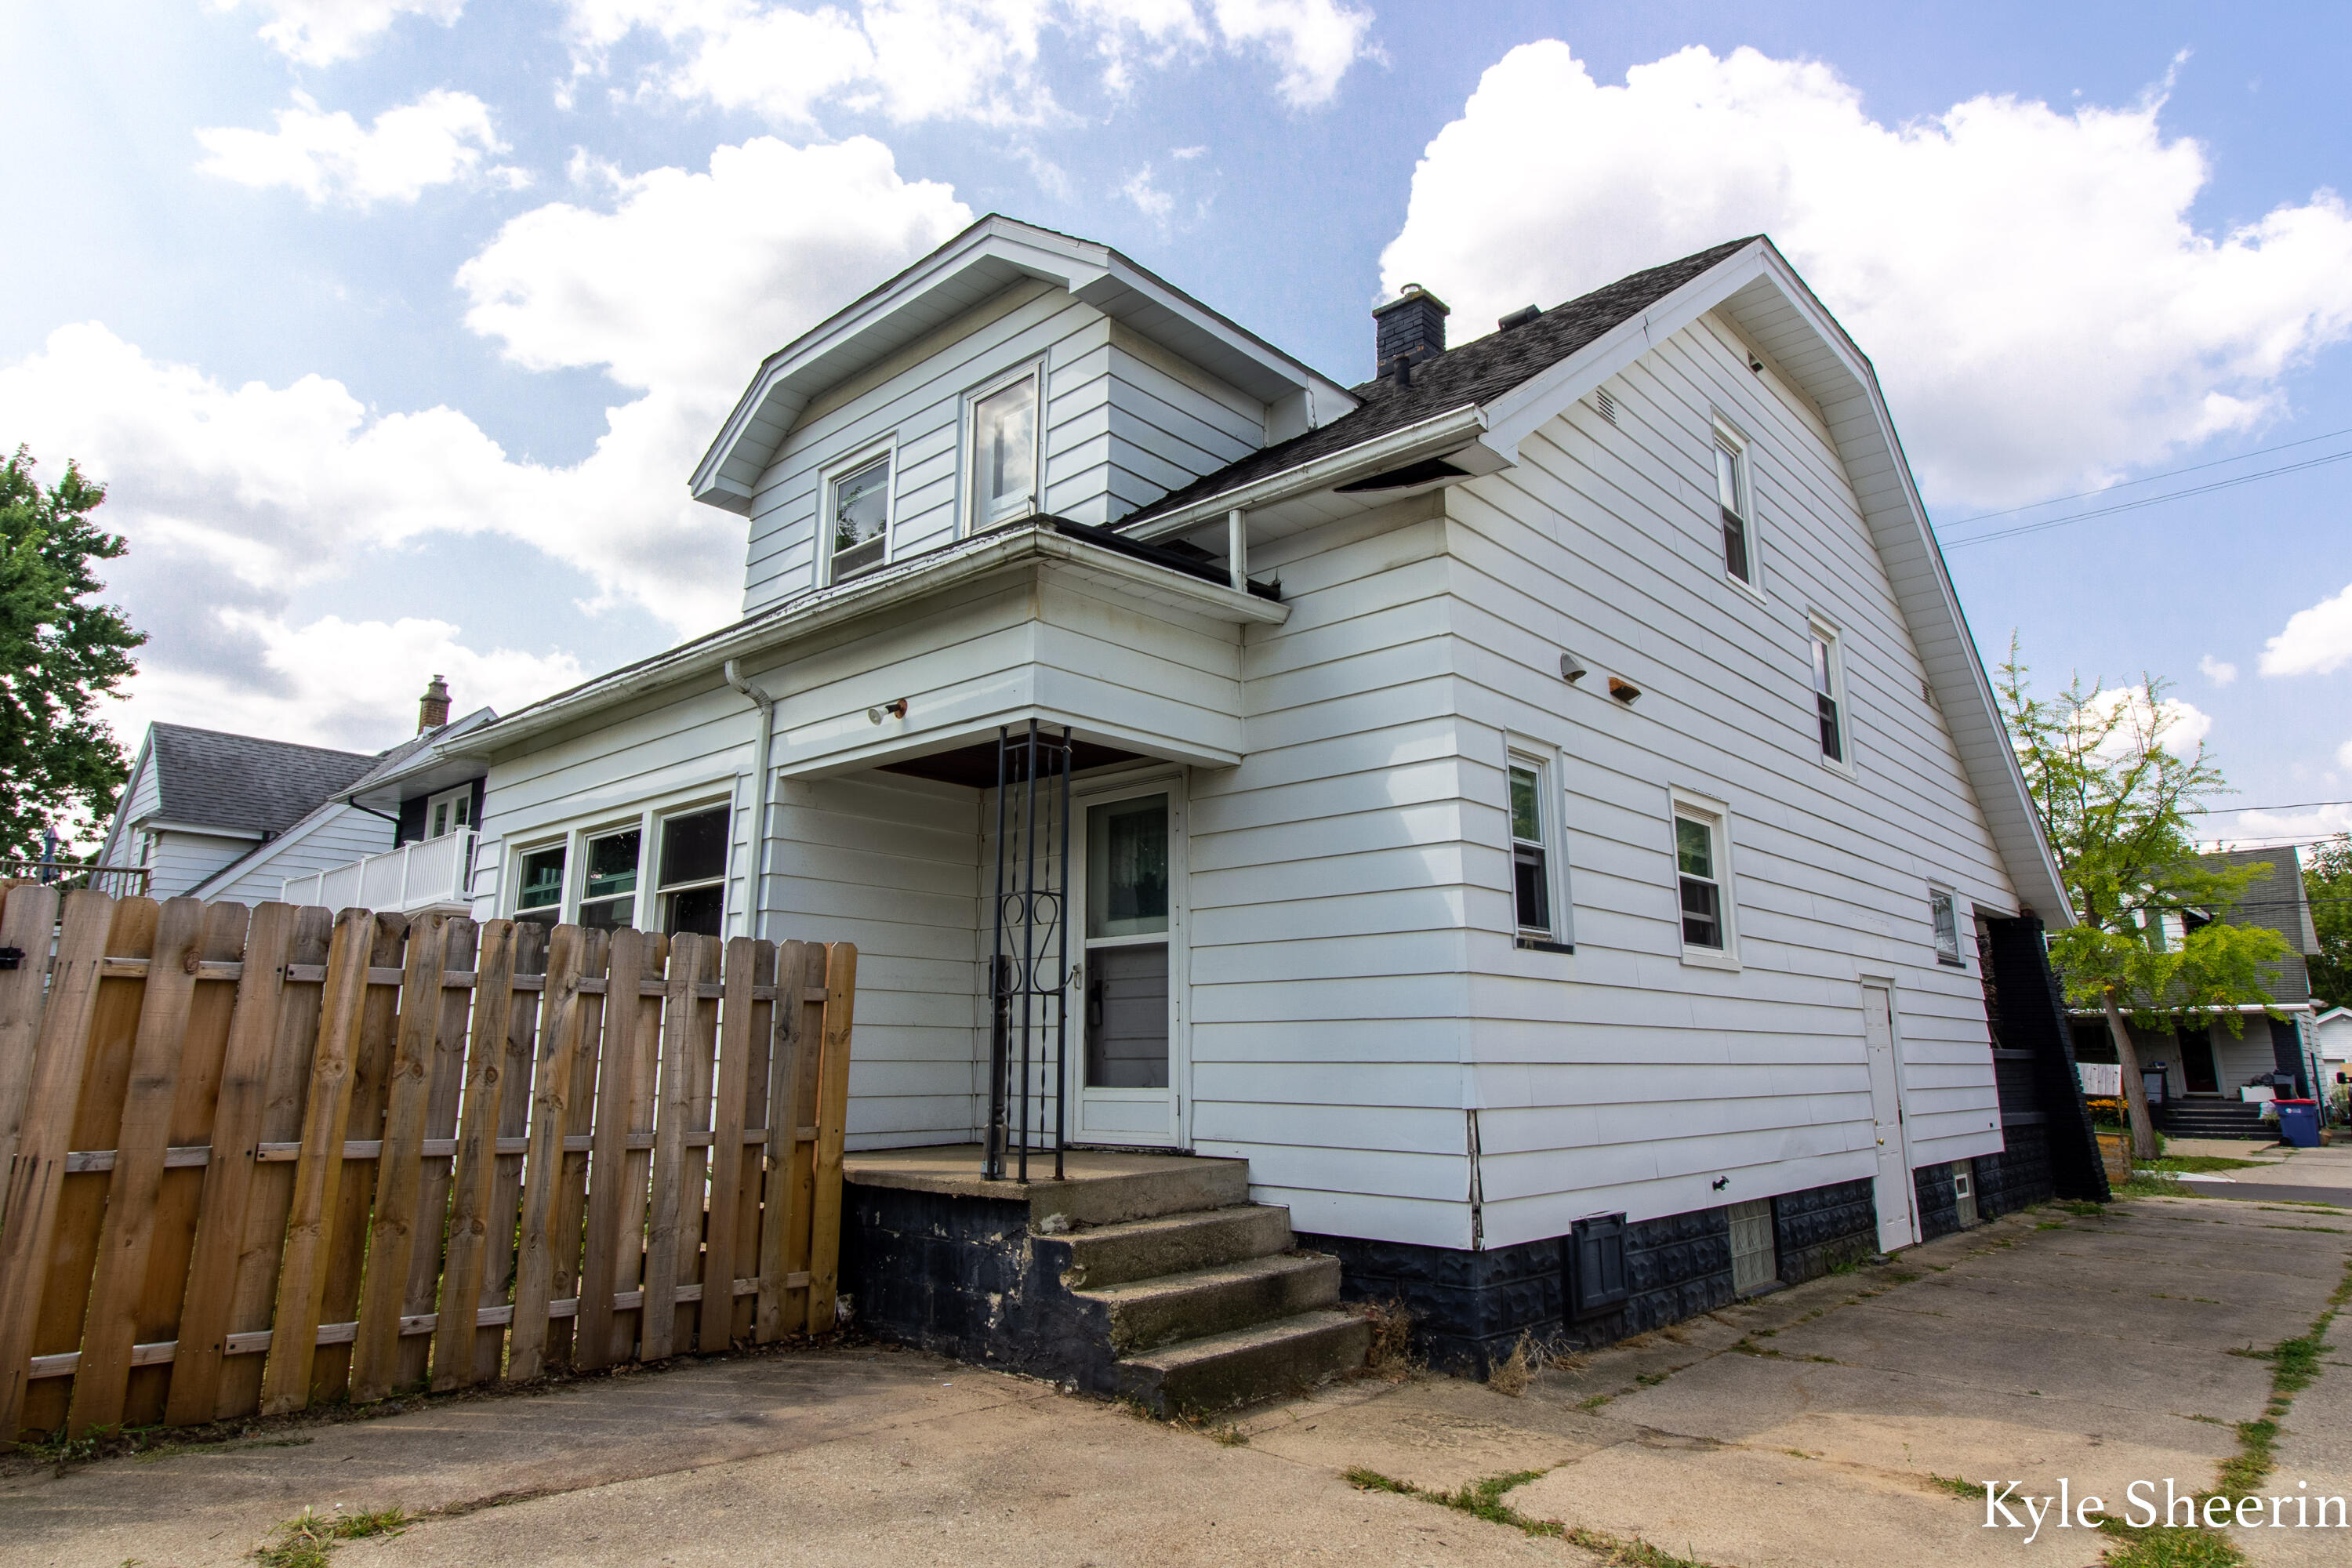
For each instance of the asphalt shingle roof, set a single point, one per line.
(1476, 373)
(209, 779)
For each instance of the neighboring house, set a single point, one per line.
(215, 816)
(2333, 1032)
(1550, 780)
(2208, 1064)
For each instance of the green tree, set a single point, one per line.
(2327, 883)
(2116, 800)
(60, 653)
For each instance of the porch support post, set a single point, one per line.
(1237, 549)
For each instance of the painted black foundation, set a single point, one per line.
(1470, 1308)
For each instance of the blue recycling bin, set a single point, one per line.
(2299, 1123)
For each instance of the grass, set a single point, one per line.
(1484, 1499)
(1966, 1491)
(309, 1539)
(2203, 1165)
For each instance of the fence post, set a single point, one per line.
(833, 1116)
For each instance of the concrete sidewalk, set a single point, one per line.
(1806, 1428)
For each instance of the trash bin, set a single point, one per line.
(2299, 1123)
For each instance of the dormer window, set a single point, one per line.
(861, 518)
(1005, 452)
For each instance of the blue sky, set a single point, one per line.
(394, 325)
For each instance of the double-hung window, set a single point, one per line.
(1702, 880)
(1734, 498)
(1828, 691)
(1944, 912)
(858, 504)
(1530, 850)
(539, 885)
(608, 897)
(692, 884)
(1005, 452)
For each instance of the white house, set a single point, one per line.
(1550, 779)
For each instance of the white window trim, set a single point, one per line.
(1820, 626)
(1519, 750)
(464, 792)
(833, 473)
(972, 523)
(1727, 434)
(1682, 802)
(1960, 924)
(647, 817)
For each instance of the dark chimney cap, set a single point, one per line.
(1520, 316)
(433, 708)
(1407, 330)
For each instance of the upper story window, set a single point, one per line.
(1005, 452)
(692, 886)
(1829, 691)
(860, 510)
(1734, 498)
(1944, 910)
(1530, 849)
(447, 812)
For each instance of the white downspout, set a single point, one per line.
(760, 763)
(1237, 549)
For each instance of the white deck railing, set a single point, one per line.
(432, 871)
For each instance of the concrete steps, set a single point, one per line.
(1147, 1313)
(2214, 1119)
(1240, 1366)
(1172, 1244)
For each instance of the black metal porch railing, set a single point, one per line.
(1029, 968)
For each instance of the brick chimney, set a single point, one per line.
(433, 708)
(1407, 329)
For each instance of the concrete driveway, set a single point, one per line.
(1807, 1428)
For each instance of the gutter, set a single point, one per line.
(1439, 434)
(1038, 539)
(767, 706)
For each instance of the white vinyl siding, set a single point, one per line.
(325, 840)
(1123, 423)
(180, 861)
(1650, 1079)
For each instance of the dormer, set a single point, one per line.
(1012, 372)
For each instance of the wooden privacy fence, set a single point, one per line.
(262, 1158)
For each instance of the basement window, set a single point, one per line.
(693, 881)
(860, 511)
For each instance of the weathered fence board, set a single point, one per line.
(258, 1158)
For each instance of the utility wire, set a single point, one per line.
(2151, 478)
(2224, 810)
(2144, 500)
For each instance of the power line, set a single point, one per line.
(2298, 806)
(2151, 478)
(2146, 500)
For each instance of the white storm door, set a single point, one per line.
(1892, 1190)
(1127, 1071)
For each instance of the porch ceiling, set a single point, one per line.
(975, 765)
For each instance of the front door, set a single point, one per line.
(1892, 1189)
(1129, 855)
(2197, 1072)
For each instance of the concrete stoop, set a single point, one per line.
(1149, 1278)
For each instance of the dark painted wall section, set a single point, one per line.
(2029, 1013)
(1938, 1201)
(2286, 1050)
(1469, 1309)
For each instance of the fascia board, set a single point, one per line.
(1924, 585)
(1437, 435)
(156, 824)
(972, 560)
(1520, 412)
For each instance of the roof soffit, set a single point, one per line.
(984, 260)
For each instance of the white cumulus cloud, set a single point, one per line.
(320, 32)
(272, 487)
(2317, 641)
(912, 60)
(334, 682)
(2027, 279)
(441, 138)
(2219, 671)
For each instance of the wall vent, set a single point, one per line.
(1605, 405)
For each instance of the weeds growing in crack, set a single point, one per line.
(1484, 1499)
(309, 1539)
